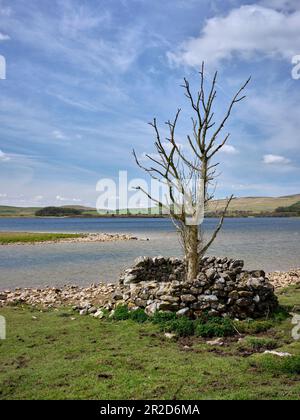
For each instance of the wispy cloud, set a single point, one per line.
(229, 149)
(4, 37)
(61, 198)
(59, 135)
(4, 157)
(75, 35)
(275, 160)
(245, 32)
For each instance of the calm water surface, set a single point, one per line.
(268, 243)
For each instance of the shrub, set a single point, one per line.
(121, 313)
(138, 315)
(215, 327)
(162, 317)
(281, 314)
(183, 327)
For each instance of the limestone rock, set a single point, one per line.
(183, 311)
(188, 298)
(99, 314)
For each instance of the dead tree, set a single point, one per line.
(184, 169)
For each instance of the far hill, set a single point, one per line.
(17, 211)
(256, 204)
(239, 206)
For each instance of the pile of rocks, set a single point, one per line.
(281, 279)
(81, 297)
(102, 237)
(222, 288)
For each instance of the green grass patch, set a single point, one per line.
(257, 344)
(62, 355)
(122, 313)
(253, 326)
(215, 327)
(31, 237)
(183, 327)
(48, 355)
(205, 326)
(162, 317)
(209, 326)
(289, 297)
(279, 365)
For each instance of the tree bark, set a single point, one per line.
(191, 252)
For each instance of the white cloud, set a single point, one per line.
(275, 160)
(38, 197)
(229, 149)
(245, 32)
(3, 195)
(4, 157)
(59, 135)
(4, 37)
(60, 198)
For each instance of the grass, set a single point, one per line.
(257, 343)
(32, 237)
(51, 355)
(289, 297)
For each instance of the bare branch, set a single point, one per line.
(232, 103)
(218, 228)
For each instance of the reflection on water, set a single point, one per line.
(268, 243)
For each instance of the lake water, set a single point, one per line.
(267, 243)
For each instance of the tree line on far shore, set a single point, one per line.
(58, 212)
(289, 211)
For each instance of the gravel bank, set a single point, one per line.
(86, 237)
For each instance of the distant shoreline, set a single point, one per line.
(149, 216)
(260, 206)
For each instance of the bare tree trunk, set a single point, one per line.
(191, 252)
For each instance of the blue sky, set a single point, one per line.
(83, 78)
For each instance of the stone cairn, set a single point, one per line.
(222, 288)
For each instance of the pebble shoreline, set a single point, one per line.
(101, 294)
(281, 279)
(89, 237)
